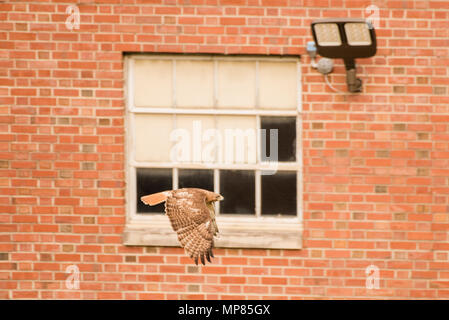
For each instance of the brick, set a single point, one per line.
(233, 280)
(233, 21)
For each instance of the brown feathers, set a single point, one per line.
(155, 198)
(192, 216)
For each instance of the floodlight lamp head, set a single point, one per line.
(345, 39)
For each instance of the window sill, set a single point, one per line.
(262, 233)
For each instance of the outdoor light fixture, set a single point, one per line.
(345, 39)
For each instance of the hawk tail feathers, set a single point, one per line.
(155, 198)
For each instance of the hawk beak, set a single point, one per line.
(220, 197)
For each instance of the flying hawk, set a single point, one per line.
(192, 217)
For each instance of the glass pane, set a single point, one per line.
(236, 84)
(279, 193)
(238, 189)
(239, 139)
(278, 85)
(196, 178)
(150, 181)
(194, 84)
(192, 142)
(153, 83)
(286, 141)
(152, 137)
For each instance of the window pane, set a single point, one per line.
(194, 83)
(238, 189)
(152, 137)
(236, 84)
(286, 141)
(153, 83)
(279, 193)
(239, 139)
(151, 181)
(196, 178)
(278, 85)
(192, 142)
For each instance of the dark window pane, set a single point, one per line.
(196, 178)
(286, 127)
(238, 189)
(279, 193)
(151, 181)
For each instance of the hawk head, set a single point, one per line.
(212, 197)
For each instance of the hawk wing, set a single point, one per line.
(191, 220)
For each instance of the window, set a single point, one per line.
(225, 123)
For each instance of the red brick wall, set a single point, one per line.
(376, 165)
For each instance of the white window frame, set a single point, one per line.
(236, 231)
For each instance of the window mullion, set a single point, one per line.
(175, 172)
(215, 99)
(258, 184)
(174, 100)
(299, 172)
(133, 190)
(175, 180)
(217, 188)
(130, 89)
(298, 146)
(257, 85)
(216, 171)
(258, 192)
